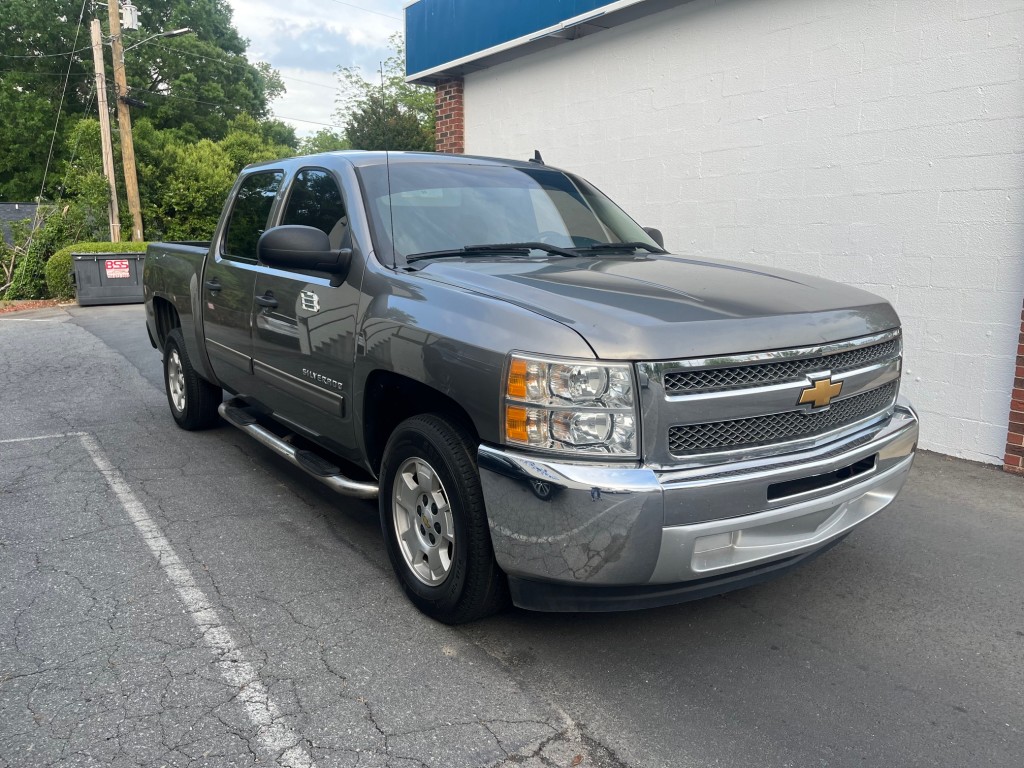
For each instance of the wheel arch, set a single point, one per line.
(166, 319)
(390, 398)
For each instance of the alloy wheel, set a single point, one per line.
(423, 521)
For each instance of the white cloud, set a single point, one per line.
(309, 103)
(307, 40)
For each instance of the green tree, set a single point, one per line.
(246, 143)
(324, 140)
(80, 171)
(56, 227)
(26, 128)
(36, 37)
(194, 85)
(81, 216)
(202, 176)
(383, 125)
(279, 133)
(156, 157)
(187, 182)
(388, 113)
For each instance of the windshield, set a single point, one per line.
(437, 207)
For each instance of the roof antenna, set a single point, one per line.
(537, 158)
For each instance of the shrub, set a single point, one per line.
(28, 280)
(11, 254)
(54, 227)
(60, 265)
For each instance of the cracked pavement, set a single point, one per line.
(902, 646)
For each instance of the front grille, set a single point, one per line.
(784, 371)
(778, 427)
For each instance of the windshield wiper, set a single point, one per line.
(532, 246)
(487, 248)
(622, 247)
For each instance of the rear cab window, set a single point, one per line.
(315, 200)
(250, 212)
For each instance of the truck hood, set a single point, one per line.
(661, 307)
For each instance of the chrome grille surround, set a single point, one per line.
(730, 423)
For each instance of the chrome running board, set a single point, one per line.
(311, 463)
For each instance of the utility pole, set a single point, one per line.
(124, 121)
(108, 150)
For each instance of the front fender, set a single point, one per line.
(452, 340)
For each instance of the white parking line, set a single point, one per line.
(41, 437)
(275, 736)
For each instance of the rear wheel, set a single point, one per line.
(434, 523)
(193, 400)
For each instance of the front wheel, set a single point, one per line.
(193, 400)
(434, 524)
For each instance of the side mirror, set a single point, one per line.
(293, 246)
(656, 236)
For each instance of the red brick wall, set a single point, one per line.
(451, 126)
(1014, 460)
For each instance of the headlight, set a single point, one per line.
(570, 406)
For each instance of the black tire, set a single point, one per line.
(192, 399)
(542, 489)
(467, 583)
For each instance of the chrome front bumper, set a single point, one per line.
(617, 526)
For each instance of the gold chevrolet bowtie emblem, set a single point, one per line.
(821, 393)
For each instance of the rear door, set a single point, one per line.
(304, 328)
(228, 279)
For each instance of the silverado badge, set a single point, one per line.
(820, 393)
(310, 301)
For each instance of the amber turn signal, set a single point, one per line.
(517, 380)
(515, 423)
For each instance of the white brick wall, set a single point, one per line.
(876, 142)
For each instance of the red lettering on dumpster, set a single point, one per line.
(117, 268)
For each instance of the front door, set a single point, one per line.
(304, 328)
(228, 280)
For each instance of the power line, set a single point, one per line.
(61, 74)
(232, 106)
(45, 55)
(303, 120)
(60, 106)
(78, 140)
(245, 63)
(191, 101)
(367, 10)
(240, 62)
(31, 72)
(308, 82)
(283, 77)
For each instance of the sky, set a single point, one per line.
(307, 40)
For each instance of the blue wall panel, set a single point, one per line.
(440, 31)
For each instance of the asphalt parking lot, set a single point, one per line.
(189, 599)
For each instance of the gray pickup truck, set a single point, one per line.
(548, 406)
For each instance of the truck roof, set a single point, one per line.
(362, 158)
